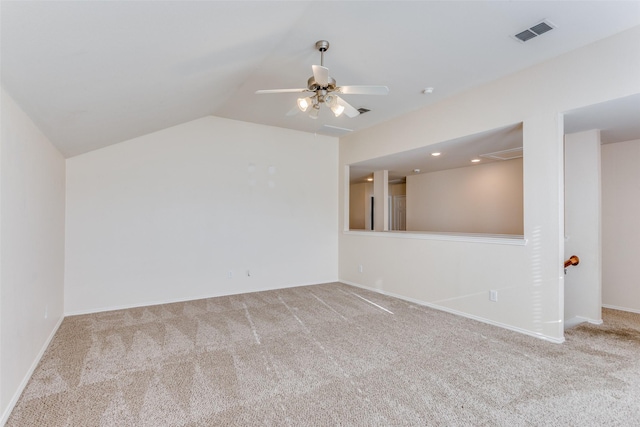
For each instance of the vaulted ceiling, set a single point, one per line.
(95, 73)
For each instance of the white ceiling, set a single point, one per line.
(95, 73)
(618, 119)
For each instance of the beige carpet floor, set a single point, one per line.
(327, 355)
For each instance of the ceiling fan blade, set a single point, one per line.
(363, 90)
(349, 111)
(295, 110)
(263, 91)
(321, 75)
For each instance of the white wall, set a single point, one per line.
(621, 225)
(31, 248)
(457, 276)
(485, 198)
(582, 291)
(167, 216)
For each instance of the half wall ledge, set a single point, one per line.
(499, 239)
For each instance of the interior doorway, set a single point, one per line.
(398, 213)
(608, 174)
(371, 213)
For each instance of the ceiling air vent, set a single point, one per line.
(513, 153)
(534, 31)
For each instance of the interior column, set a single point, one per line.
(381, 200)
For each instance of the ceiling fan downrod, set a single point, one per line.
(322, 46)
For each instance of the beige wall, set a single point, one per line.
(458, 275)
(360, 206)
(360, 203)
(476, 199)
(621, 225)
(31, 248)
(397, 189)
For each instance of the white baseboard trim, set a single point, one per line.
(458, 313)
(575, 321)
(185, 299)
(27, 377)
(615, 307)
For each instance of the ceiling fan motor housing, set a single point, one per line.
(314, 86)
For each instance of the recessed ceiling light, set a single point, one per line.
(369, 179)
(416, 171)
(427, 90)
(435, 154)
(475, 160)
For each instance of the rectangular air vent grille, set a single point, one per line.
(534, 31)
(541, 28)
(525, 35)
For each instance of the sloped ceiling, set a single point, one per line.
(95, 73)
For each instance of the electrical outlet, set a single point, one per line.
(230, 275)
(493, 296)
(360, 268)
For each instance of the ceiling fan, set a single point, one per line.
(323, 90)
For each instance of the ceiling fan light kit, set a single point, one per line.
(313, 114)
(324, 90)
(304, 103)
(332, 102)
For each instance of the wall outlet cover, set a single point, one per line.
(493, 296)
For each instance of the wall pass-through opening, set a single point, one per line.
(457, 186)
